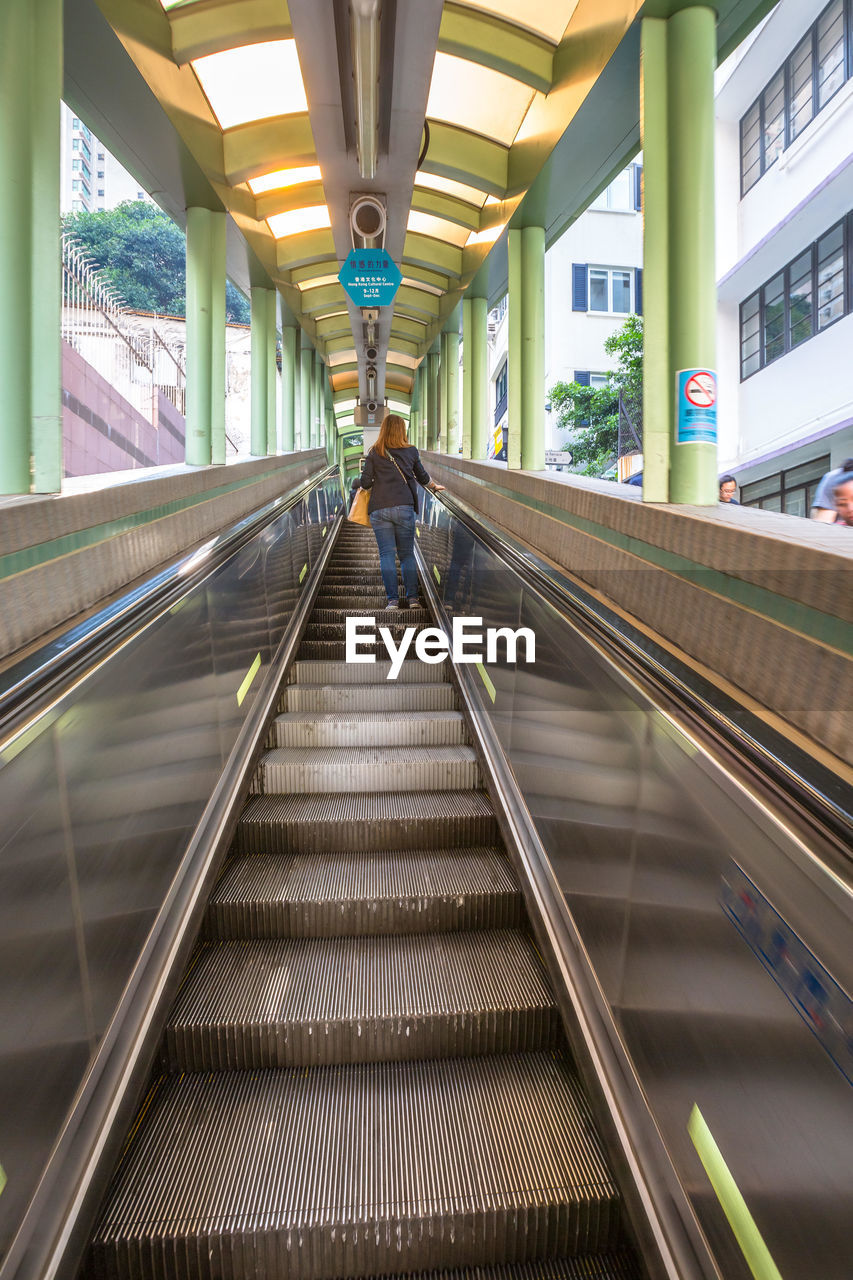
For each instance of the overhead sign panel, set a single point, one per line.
(370, 277)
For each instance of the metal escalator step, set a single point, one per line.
(595, 1266)
(328, 769)
(335, 650)
(390, 696)
(339, 672)
(387, 820)
(353, 600)
(384, 617)
(382, 891)
(369, 729)
(291, 1002)
(355, 1170)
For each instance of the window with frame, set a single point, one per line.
(619, 195)
(791, 491)
(611, 290)
(804, 298)
(501, 385)
(813, 73)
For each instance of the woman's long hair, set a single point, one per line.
(392, 434)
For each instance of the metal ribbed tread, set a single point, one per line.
(609, 1266)
(382, 891)
(388, 820)
(341, 672)
(291, 1002)
(388, 696)
(369, 728)
(358, 1170)
(307, 770)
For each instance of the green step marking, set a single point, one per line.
(484, 676)
(734, 1207)
(247, 680)
(2, 1179)
(304, 571)
(437, 574)
(326, 527)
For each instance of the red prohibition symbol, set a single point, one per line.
(701, 390)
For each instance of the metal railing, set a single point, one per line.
(137, 362)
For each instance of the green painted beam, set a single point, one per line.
(417, 300)
(426, 251)
(403, 327)
(482, 37)
(426, 276)
(322, 297)
(202, 29)
(468, 157)
(303, 196)
(444, 206)
(308, 246)
(333, 326)
(301, 275)
(344, 343)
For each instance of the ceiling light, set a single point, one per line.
(314, 282)
(450, 187)
(474, 97)
(426, 224)
(253, 82)
(485, 237)
(548, 18)
(312, 218)
(285, 178)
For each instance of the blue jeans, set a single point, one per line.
(395, 532)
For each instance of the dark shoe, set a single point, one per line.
(403, 602)
(392, 604)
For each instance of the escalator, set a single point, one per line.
(364, 1072)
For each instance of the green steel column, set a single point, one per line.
(451, 386)
(442, 393)
(658, 396)
(691, 59)
(272, 370)
(306, 381)
(200, 338)
(426, 403)
(514, 323)
(45, 248)
(415, 414)
(465, 407)
(260, 360)
(288, 389)
(317, 401)
(533, 349)
(479, 378)
(217, 338)
(30, 262)
(433, 371)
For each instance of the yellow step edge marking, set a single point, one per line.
(484, 676)
(417, 532)
(733, 1204)
(2, 1179)
(326, 528)
(304, 571)
(247, 680)
(437, 574)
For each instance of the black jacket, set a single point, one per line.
(387, 487)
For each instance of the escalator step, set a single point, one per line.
(386, 891)
(384, 617)
(370, 729)
(602, 1266)
(396, 621)
(367, 673)
(293, 1002)
(387, 820)
(335, 650)
(358, 1170)
(308, 770)
(390, 696)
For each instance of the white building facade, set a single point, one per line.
(785, 255)
(90, 177)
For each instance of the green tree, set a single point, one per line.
(591, 414)
(142, 252)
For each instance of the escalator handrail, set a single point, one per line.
(32, 683)
(52, 1238)
(819, 795)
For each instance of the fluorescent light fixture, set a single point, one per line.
(474, 97)
(314, 282)
(282, 178)
(548, 18)
(426, 224)
(253, 82)
(450, 187)
(421, 284)
(312, 218)
(489, 236)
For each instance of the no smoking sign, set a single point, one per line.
(696, 406)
